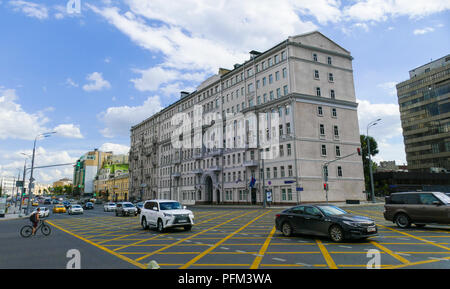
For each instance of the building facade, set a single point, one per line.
(62, 182)
(86, 169)
(424, 102)
(113, 166)
(269, 124)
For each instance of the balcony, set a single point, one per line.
(215, 168)
(216, 152)
(197, 171)
(251, 163)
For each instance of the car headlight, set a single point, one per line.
(168, 215)
(353, 224)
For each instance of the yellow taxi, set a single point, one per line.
(35, 204)
(59, 209)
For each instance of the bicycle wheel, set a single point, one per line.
(26, 231)
(46, 230)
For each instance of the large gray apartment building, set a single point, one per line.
(299, 94)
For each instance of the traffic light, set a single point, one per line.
(359, 151)
(325, 186)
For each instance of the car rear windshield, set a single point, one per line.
(170, 206)
(332, 210)
(128, 205)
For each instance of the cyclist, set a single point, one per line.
(35, 218)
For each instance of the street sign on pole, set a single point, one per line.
(299, 189)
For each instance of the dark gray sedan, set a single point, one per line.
(324, 220)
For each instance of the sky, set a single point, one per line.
(89, 70)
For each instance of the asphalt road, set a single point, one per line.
(222, 238)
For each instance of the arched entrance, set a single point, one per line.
(209, 189)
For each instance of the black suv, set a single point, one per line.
(324, 220)
(88, 206)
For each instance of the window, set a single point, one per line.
(427, 199)
(270, 61)
(284, 72)
(324, 150)
(276, 58)
(329, 60)
(288, 149)
(281, 150)
(285, 89)
(289, 192)
(289, 171)
(268, 173)
(271, 94)
(258, 99)
(318, 91)
(330, 77)
(332, 95)
(277, 75)
(339, 171)
(336, 131)
(249, 72)
(282, 171)
(280, 127)
(322, 130)
(333, 113)
(287, 109)
(283, 194)
(288, 128)
(283, 55)
(265, 97)
(270, 78)
(275, 172)
(319, 111)
(315, 57)
(338, 151)
(250, 87)
(264, 81)
(257, 83)
(316, 74)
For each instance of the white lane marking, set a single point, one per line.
(279, 259)
(345, 246)
(303, 264)
(224, 248)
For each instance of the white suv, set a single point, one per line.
(164, 214)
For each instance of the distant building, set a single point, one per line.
(62, 182)
(117, 188)
(113, 167)
(390, 166)
(424, 102)
(86, 169)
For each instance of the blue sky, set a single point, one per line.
(93, 74)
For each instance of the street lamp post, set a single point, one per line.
(30, 185)
(370, 158)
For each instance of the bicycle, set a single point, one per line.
(27, 230)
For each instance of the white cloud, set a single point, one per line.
(423, 31)
(117, 149)
(70, 82)
(97, 82)
(30, 9)
(387, 133)
(118, 120)
(16, 123)
(390, 87)
(68, 130)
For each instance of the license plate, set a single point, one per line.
(182, 220)
(371, 229)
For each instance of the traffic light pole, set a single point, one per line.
(325, 170)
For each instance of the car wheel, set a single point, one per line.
(144, 224)
(336, 233)
(286, 229)
(160, 226)
(402, 221)
(420, 225)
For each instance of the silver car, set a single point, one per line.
(109, 207)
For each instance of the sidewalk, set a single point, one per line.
(13, 213)
(338, 204)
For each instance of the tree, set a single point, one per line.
(365, 157)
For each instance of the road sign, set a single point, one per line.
(299, 189)
(19, 184)
(289, 182)
(269, 182)
(269, 196)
